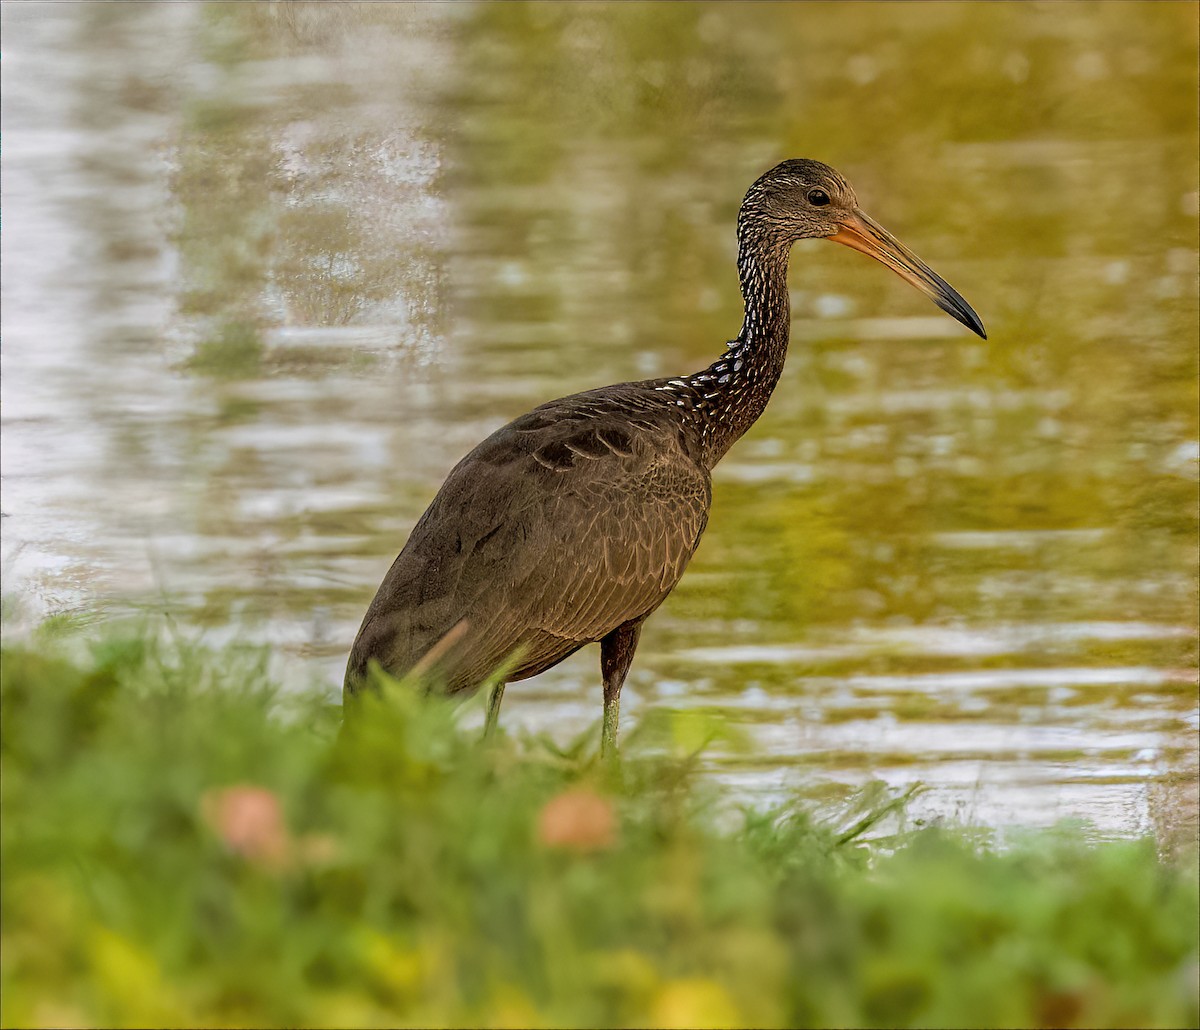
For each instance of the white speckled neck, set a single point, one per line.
(725, 399)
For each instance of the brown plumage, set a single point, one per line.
(573, 523)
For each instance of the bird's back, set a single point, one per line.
(558, 528)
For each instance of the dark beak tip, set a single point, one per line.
(962, 312)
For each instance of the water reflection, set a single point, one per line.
(270, 270)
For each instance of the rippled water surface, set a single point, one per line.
(271, 269)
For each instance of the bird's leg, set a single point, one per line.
(616, 655)
(493, 711)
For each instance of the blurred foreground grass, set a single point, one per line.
(183, 843)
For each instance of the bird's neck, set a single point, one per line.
(726, 398)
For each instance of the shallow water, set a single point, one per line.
(270, 270)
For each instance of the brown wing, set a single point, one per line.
(550, 534)
(621, 532)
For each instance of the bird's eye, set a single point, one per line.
(818, 198)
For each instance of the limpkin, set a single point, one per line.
(573, 523)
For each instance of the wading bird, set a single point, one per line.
(573, 523)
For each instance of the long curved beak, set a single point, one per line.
(858, 232)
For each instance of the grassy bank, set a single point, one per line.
(184, 845)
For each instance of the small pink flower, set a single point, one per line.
(578, 820)
(249, 820)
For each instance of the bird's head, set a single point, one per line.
(803, 199)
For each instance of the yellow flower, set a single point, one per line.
(693, 1003)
